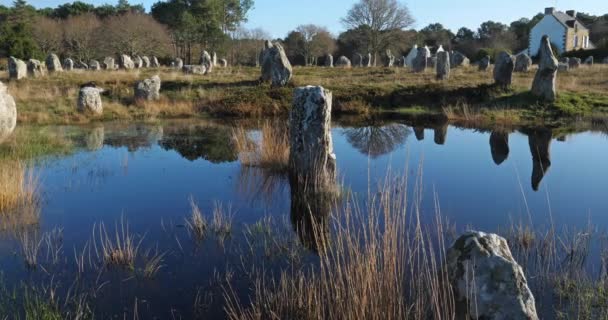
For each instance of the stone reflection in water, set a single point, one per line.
(376, 141)
(310, 214)
(209, 142)
(261, 185)
(133, 137)
(94, 139)
(540, 145)
(499, 146)
(419, 132)
(441, 133)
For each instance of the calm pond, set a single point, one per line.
(146, 174)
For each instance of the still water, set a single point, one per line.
(146, 174)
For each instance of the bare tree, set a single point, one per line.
(134, 34)
(381, 17)
(80, 36)
(246, 45)
(48, 34)
(315, 41)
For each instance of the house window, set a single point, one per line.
(585, 42)
(575, 41)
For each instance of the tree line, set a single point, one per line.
(183, 28)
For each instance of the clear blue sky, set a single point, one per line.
(280, 16)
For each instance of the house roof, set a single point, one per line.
(567, 20)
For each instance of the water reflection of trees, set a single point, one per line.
(133, 137)
(212, 143)
(376, 141)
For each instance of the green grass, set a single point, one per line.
(30, 143)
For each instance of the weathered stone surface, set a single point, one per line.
(503, 69)
(194, 69)
(343, 62)
(390, 59)
(443, 65)
(125, 62)
(17, 69)
(8, 113)
(35, 68)
(223, 63)
(357, 60)
(68, 64)
(329, 61)
(94, 65)
(138, 62)
(53, 64)
(178, 63)
(148, 89)
(499, 146)
(207, 62)
(589, 60)
(544, 81)
(409, 59)
(522, 63)
(484, 64)
(420, 63)
(89, 100)
(108, 63)
(574, 63)
(563, 67)
(154, 62)
(458, 59)
(311, 154)
(146, 61)
(214, 59)
(368, 61)
(488, 283)
(276, 68)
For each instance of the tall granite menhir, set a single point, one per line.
(276, 68)
(8, 113)
(544, 81)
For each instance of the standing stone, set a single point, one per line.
(68, 64)
(138, 62)
(522, 63)
(565, 60)
(194, 69)
(125, 62)
(35, 68)
(343, 62)
(17, 69)
(94, 65)
(311, 155)
(544, 81)
(484, 64)
(154, 62)
(589, 61)
(329, 61)
(207, 62)
(390, 59)
(178, 63)
(214, 58)
(443, 65)
(563, 67)
(108, 63)
(487, 281)
(503, 69)
(276, 68)
(357, 60)
(8, 113)
(421, 61)
(574, 63)
(409, 59)
(53, 64)
(369, 60)
(148, 89)
(89, 100)
(146, 61)
(458, 59)
(432, 62)
(224, 63)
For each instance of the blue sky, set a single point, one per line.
(280, 16)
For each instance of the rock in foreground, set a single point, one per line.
(8, 113)
(148, 89)
(89, 100)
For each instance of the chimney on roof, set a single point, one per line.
(550, 10)
(571, 13)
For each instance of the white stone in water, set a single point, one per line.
(522, 63)
(89, 100)
(53, 64)
(154, 62)
(443, 65)
(68, 64)
(206, 61)
(329, 61)
(544, 80)
(148, 89)
(146, 62)
(276, 67)
(311, 152)
(503, 69)
(343, 62)
(8, 113)
(125, 62)
(108, 63)
(35, 68)
(17, 69)
(488, 283)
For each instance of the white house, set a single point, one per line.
(564, 30)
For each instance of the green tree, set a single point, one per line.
(16, 31)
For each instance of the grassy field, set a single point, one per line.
(235, 91)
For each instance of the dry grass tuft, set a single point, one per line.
(120, 250)
(19, 197)
(271, 150)
(197, 223)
